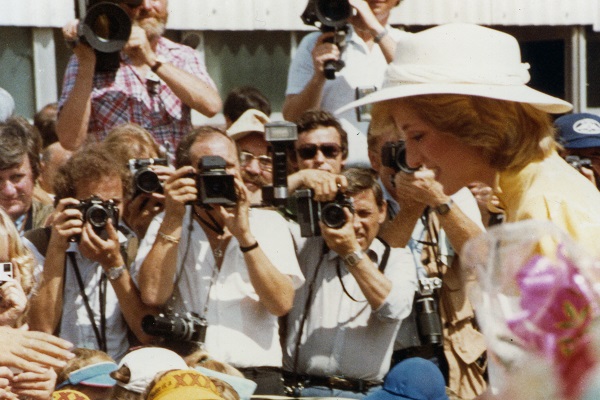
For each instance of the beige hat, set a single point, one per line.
(250, 121)
(464, 59)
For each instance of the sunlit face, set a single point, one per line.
(151, 15)
(255, 172)
(367, 217)
(322, 159)
(16, 189)
(382, 7)
(454, 163)
(216, 145)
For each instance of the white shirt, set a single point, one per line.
(75, 324)
(364, 68)
(240, 329)
(342, 337)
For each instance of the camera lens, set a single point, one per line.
(97, 216)
(147, 181)
(333, 215)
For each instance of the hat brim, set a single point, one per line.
(520, 94)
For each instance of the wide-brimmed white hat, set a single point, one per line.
(464, 59)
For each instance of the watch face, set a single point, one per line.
(443, 209)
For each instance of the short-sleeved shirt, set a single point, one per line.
(240, 329)
(344, 336)
(364, 67)
(124, 96)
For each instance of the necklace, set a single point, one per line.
(214, 226)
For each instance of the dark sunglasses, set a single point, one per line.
(329, 150)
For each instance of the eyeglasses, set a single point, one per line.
(264, 162)
(329, 150)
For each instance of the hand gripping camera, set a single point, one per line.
(106, 28)
(214, 184)
(330, 16)
(188, 327)
(310, 212)
(393, 155)
(144, 179)
(98, 213)
(578, 162)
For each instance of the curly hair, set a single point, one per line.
(509, 134)
(91, 163)
(130, 140)
(83, 358)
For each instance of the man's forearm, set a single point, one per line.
(193, 91)
(74, 117)
(308, 99)
(46, 305)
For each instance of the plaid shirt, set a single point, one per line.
(125, 96)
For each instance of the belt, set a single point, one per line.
(331, 382)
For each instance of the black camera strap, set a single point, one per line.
(99, 333)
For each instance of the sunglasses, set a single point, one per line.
(329, 150)
(265, 162)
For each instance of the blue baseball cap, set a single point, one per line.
(412, 379)
(579, 130)
(96, 375)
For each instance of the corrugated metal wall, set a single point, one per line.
(284, 14)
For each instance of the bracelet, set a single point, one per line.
(248, 248)
(168, 238)
(381, 35)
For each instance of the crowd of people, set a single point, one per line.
(147, 258)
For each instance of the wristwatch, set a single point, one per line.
(160, 60)
(115, 272)
(444, 208)
(352, 259)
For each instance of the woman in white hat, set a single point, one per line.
(457, 94)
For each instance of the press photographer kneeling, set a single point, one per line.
(210, 254)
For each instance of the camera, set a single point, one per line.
(330, 16)
(429, 322)
(578, 162)
(98, 213)
(145, 180)
(310, 212)
(214, 184)
(393, 155)
(281, 136)
(188, 327)
(106, 28)
(6, 272)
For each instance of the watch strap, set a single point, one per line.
(115, 272)
(444, 208)
(353, 258)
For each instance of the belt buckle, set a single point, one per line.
(340, 382)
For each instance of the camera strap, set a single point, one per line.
(99, 333)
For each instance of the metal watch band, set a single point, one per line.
(444, 208)
(353, 258)
(115, 272)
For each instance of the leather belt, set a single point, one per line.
(331, 382)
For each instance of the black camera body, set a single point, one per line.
(393, 155)
(330, 16)
(106, 27)
(98, 213)
(310, 212)
(578, 162)
(188, 327)
(145, 180)
(429, 322)
(214, 184)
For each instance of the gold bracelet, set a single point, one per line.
(168, 238)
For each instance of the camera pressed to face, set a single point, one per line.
(310, 212)
(393, 155)
(145, 180)
(214, 184)
(98, 213)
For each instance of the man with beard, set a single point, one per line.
(256, 166)
(156, 85)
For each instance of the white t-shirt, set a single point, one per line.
(364, 68)
(240, 329)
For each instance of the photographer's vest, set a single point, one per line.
(464, 345)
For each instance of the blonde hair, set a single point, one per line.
(18, 254)
(509, 134)
(83, 358)
(128, 141)
(201, 358)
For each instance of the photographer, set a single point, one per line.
(85, 293)
(370, 45)
(435, 226)
(233, 266)
(156, 85)
(345, 317)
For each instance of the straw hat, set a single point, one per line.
(464, 59)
